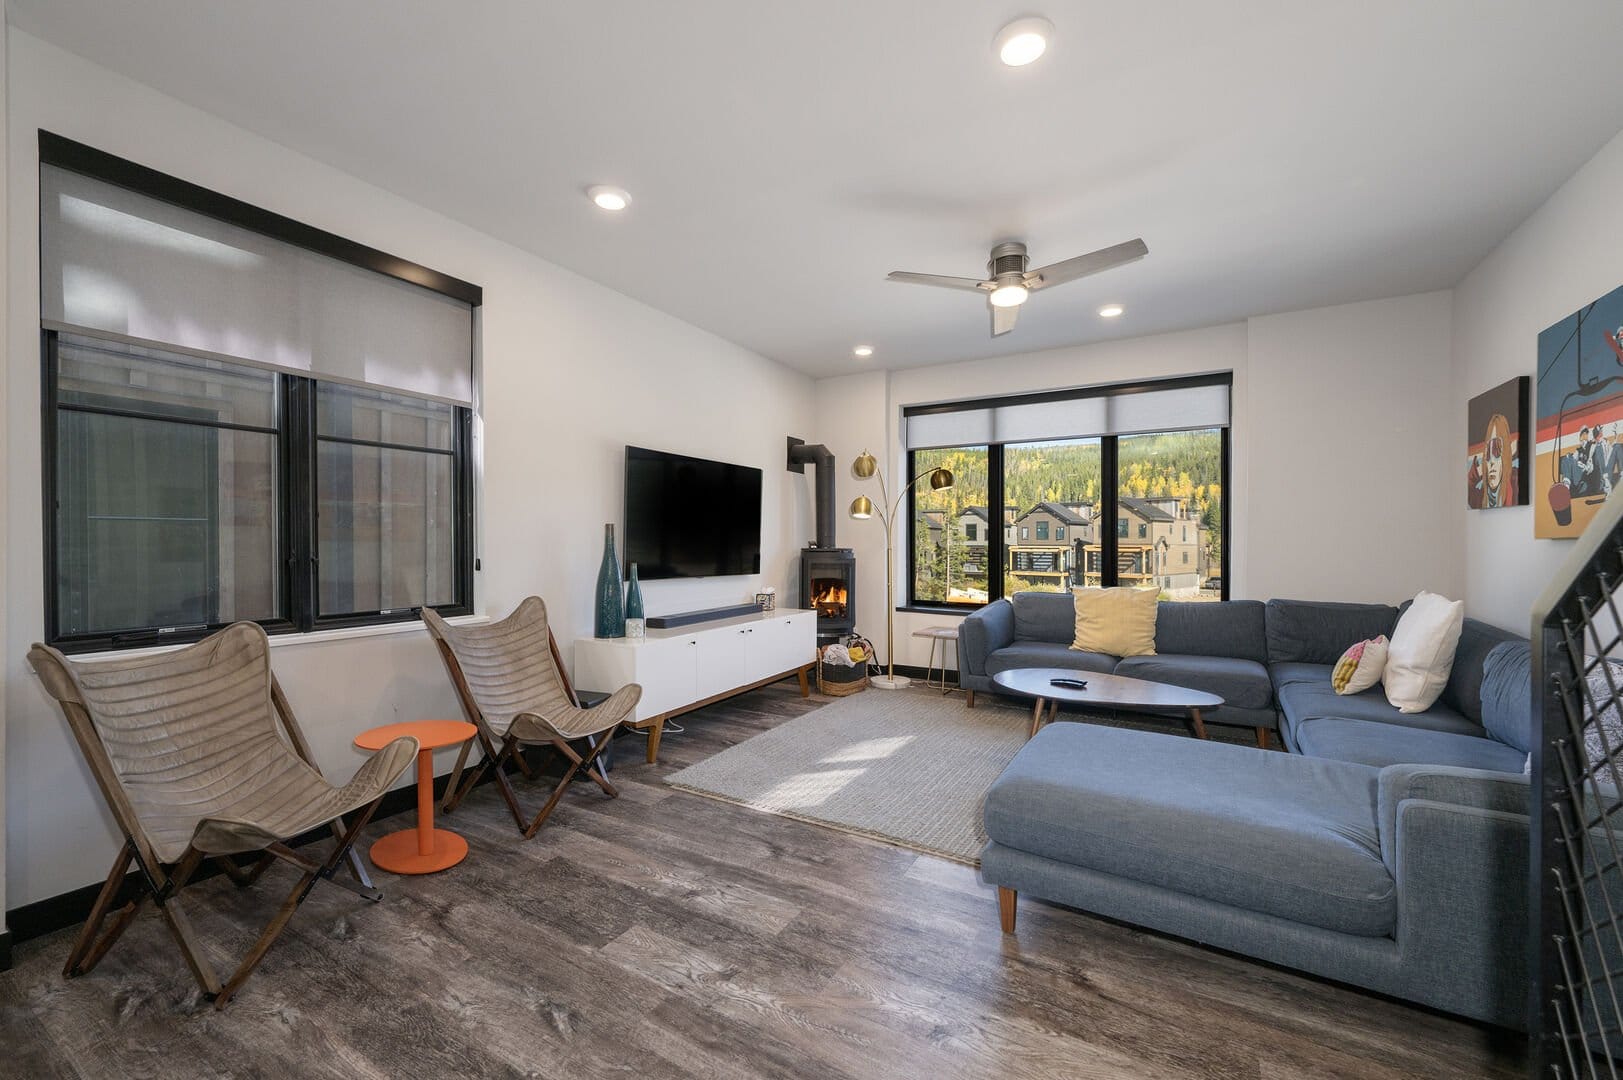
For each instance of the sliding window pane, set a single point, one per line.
(376, 416)
(1053, 491)
(386, 524)
(1170, 513)
(134, 379)
(951, 528)
(163, 524)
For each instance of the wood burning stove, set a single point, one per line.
(828, 584)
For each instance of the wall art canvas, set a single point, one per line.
(1493, 446)
(1579, 457)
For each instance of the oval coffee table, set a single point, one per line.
(1105, 692)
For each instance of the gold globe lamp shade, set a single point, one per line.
(941, 478)
(864, 466)
(861, 508)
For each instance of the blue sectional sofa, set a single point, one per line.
(1385, 850)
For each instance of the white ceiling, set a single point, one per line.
(782, 157)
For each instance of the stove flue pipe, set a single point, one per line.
(800, 454)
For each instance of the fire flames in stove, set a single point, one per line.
(828, 597)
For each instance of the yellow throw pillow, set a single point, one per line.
(1119, 621)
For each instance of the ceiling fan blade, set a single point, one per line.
(937, 279)
(1003, 318)
(1083, 265)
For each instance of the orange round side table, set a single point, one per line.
(424, 849)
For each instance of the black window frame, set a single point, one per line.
(296, 427)
(296, 513)
(1109, 495)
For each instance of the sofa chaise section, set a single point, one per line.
(1408, 880)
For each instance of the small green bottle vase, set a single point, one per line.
(635, 626)
(611, 614)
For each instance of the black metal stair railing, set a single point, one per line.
(1576, 901)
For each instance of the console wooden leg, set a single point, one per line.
(1262, 738)
(969, 698)
(1005, 908)
(805, 686)
(1197, 723)
(653, 740)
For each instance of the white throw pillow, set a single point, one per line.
(1422, 652)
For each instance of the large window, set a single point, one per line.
(1136, 505)
(245, 418)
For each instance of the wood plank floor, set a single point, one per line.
(667, 935)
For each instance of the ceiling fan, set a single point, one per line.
(1008, 282)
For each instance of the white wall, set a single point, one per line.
(572, 372)
(1337, 463)
(1563, 256)
(1352, 457)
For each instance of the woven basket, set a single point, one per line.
(837, 680)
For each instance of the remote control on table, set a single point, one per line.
(1070, 684)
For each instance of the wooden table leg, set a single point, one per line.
(1006, 904)
(805, 686)
(1197, 723)
(1262, 738)
(1037, 716)
(658, 729)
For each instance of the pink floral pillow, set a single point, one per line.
(1360, 667)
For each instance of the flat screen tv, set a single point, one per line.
(689, 517)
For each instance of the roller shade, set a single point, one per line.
(114, 261)
(1125, 411)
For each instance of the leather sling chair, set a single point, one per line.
(514, 690)
(185, 748)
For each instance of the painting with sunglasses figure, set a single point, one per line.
(1493, 446)
(1578, 459)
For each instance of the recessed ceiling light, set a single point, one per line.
(862, 350)
(1023, 41)
(609, 198)
(1008, 296)
(1110, 311)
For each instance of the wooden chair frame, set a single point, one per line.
(497, 750)
(161, 884)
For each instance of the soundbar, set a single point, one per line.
(688, 618)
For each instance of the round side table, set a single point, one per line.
(424, 849)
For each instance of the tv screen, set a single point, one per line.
(689, 517)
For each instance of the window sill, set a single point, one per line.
(277, 641)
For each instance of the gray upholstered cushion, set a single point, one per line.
(1370, 743)
(1240, 683)
(1507, 694)
(1277, 833)
(1285, 674)
(1302, 701)
(1044, 616)
(1464, 688)
(1040, 654)
(1493, 790)
(1311, 632)
(1231, 628)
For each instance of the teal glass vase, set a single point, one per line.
(635, 626)
(611, 614)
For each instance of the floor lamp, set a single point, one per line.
(862, 508)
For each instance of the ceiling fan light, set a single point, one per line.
(1111, 311)
(1023, 41)
(1008, 296)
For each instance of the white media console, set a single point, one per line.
(686, 667)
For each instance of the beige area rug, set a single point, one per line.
(909, 767)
